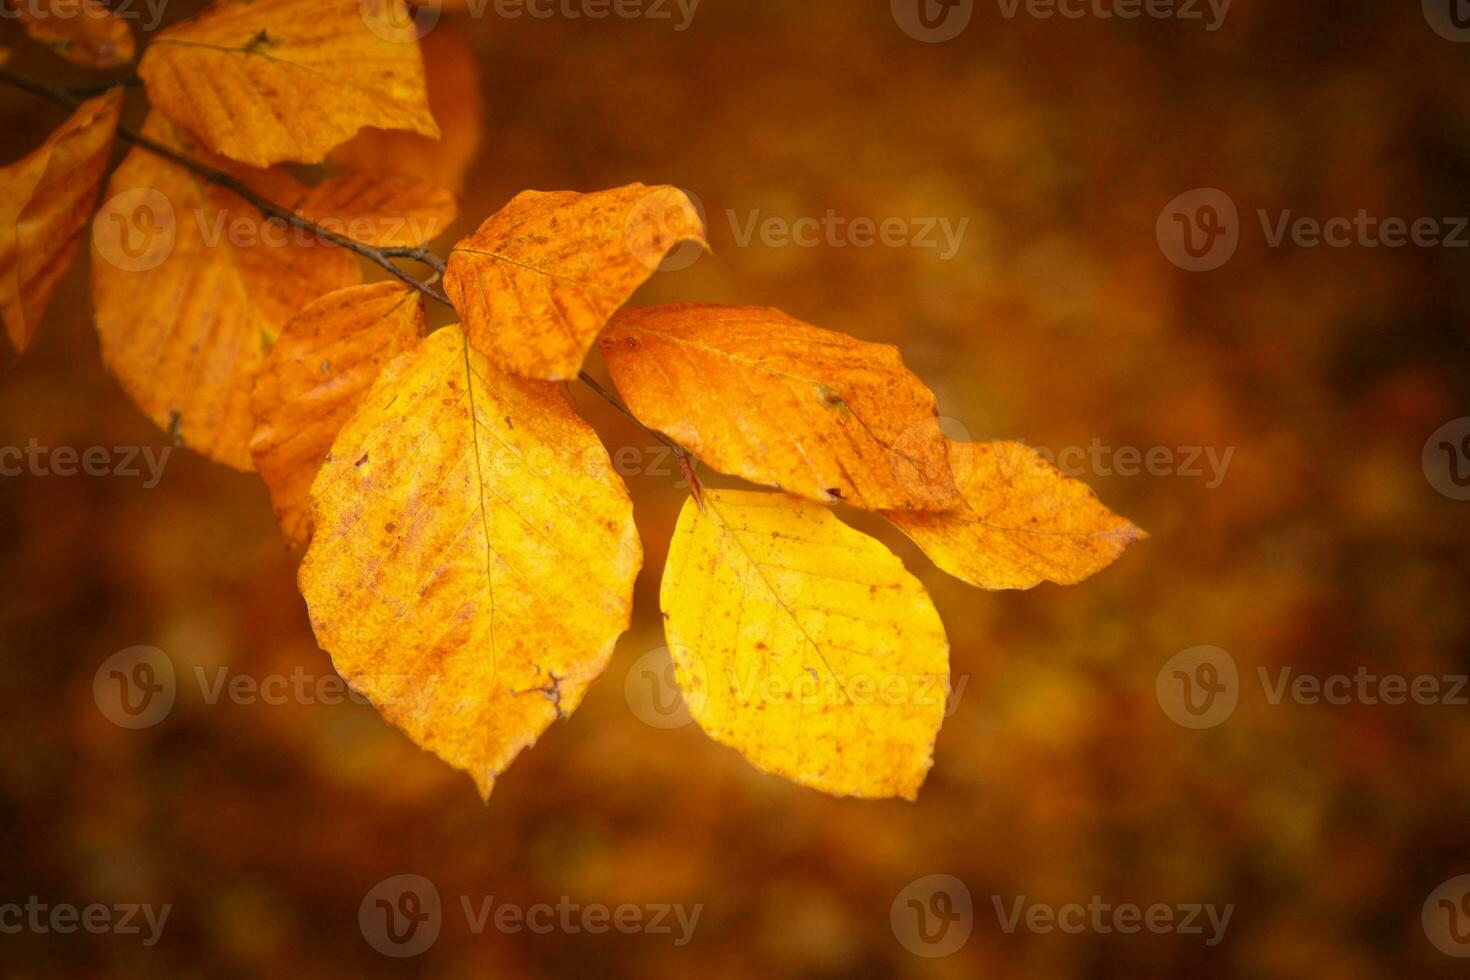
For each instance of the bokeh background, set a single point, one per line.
(1059, 321)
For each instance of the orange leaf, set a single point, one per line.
(760, 395)
(453, 78)
(1022, 522)
(474, 555)
(191, 286)
(380, 210)
(265, 81)
(84, 32)
(45, 201)
(538, 281)
(326, 358)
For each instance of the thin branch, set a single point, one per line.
(382, 256)
(234, 185)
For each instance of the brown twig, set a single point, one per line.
(382, 256)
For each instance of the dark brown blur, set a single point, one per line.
(1285, 400)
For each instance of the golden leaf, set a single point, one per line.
(266, 81)
(380, 210)
(1022, 522)
(45, 201)
(805, 644)
(84, 32)
(452, 76)
(538, 281)
(326, 358)
(191, 286)
(760, 395)
(474, 555)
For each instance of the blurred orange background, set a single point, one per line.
(1059, 320)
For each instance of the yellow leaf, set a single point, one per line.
(757, 394)
(538, 280)
(266, 81)
(452, 75)
(45, 201)
(1022, 522)
(191, 286)
(84, 32)
(380, 210)
(326, 358)
(805, 644)
(474, 555)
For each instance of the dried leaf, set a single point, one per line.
(805, 644)
(380, 210)
(1022, 522)
(84, 32)
(474, 555)
(757, 394)
(538, 281)
(324, 362)
(266, 81)
(45, 202)
(191, 286)
(453, 77)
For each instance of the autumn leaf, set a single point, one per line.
(84, 32)
(191, 286)
(266, 81)
(1022, 522)
(382, 211)
(538, 281)
(757, 394)
(804, 644)
(326, 358)
(45, 202)
(452, 76)
(474, 555)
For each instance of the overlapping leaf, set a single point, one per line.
(473, 557)
(45, 202)
(380, 210)
(84, 32)
(191, 286)
(1022, 522)
(266, 81)
(538, 281)
(325, 360)
(805, 644)
(453, 78)
(760, 395)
